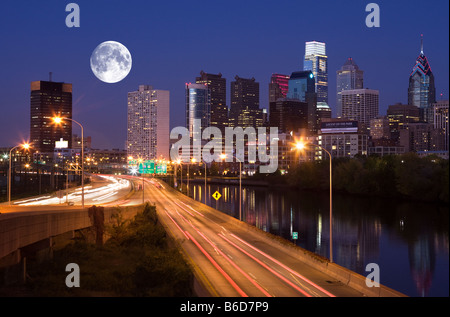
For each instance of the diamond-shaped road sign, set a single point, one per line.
(216, 195)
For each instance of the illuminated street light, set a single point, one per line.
(58, 120)
(301, 146)
(223, 157)
(25, 146)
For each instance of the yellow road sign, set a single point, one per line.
(216, 195)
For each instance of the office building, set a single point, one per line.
(148, 123)
(349, 77)
(421, 89)
(379, 128)
(440, 120)
(47, 100)
(399, 116)
(278, 87)
(289, 115)
(218, 95)
(361, 105)
(244, 109)
(316, 61)
(342, 138)
(302, 87)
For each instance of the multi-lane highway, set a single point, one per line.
(231, 258)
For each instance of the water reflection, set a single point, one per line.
(385, 231)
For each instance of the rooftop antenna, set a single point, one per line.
(421, 43)
(50, 76)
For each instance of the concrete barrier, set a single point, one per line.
(19, 230)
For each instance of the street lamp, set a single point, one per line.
(301, 146)
(223, 157)
(58, 120)
(140, 160)
(25, 146)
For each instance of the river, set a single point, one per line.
(407, 240)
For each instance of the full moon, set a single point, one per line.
(111, 62)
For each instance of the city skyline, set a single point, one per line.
(386, 60)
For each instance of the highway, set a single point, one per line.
(232, 259)
(229, 257)
(103, 190)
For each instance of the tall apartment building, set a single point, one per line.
(148, 123)
(361, 105)
(47, 100)
(349, 77)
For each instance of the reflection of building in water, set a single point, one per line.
(422, 260)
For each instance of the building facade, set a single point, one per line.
(349, 77)
(302, 88)
(148, 123)
(440, 120)
(421, 89)
(244, 109)
(47, 100)
(278, 87)
(361, 105)
(218, 98)
(316, 61)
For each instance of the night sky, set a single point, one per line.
(172, 41)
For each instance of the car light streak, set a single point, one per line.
(217, 266)
(285, 267)
(266, 266)
(235, 265)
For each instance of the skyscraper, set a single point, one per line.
(198, 108)
(49, 99)
(421, 90)
(316, 61)
(218, 91)
(148, 123)
(347, 78)
(278, 87)
(302, 87)
(361, 105)
(244, 109)
(289, 115)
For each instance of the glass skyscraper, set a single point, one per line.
(421, 90)
(302, 87)
(198, 107)
(349, 77)
(316, 61)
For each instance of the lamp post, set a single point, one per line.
(224, 156)
(143, 184)
(25, 146)
(301, 146)
(58, 120)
